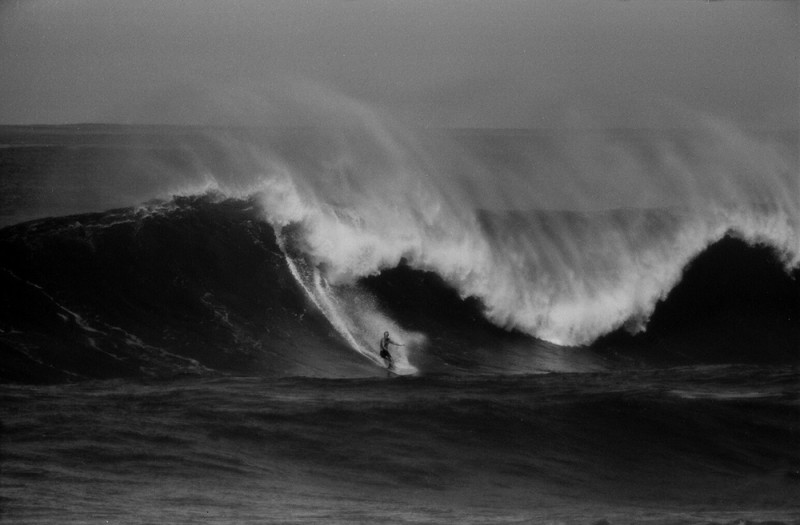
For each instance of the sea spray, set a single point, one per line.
(564, 234)
(377, 197)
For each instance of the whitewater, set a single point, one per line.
(540, 249)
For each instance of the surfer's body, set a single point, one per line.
(387, 357)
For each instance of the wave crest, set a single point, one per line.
(377, 195)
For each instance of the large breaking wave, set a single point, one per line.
(525, 228)
(380, 195)
(200, 285)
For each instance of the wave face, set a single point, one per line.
(190, 286)
(308, 238)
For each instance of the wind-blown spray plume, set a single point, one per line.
(363, 194)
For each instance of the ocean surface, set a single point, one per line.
(598, 327)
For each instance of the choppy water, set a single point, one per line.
(690, 445)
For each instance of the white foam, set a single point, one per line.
(378, 193)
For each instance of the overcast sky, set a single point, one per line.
(434, 63)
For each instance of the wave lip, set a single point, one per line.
(564, 277)
(379, 194)
(735, 303)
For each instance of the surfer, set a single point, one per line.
(385, 342)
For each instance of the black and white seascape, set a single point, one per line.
(579, 221)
